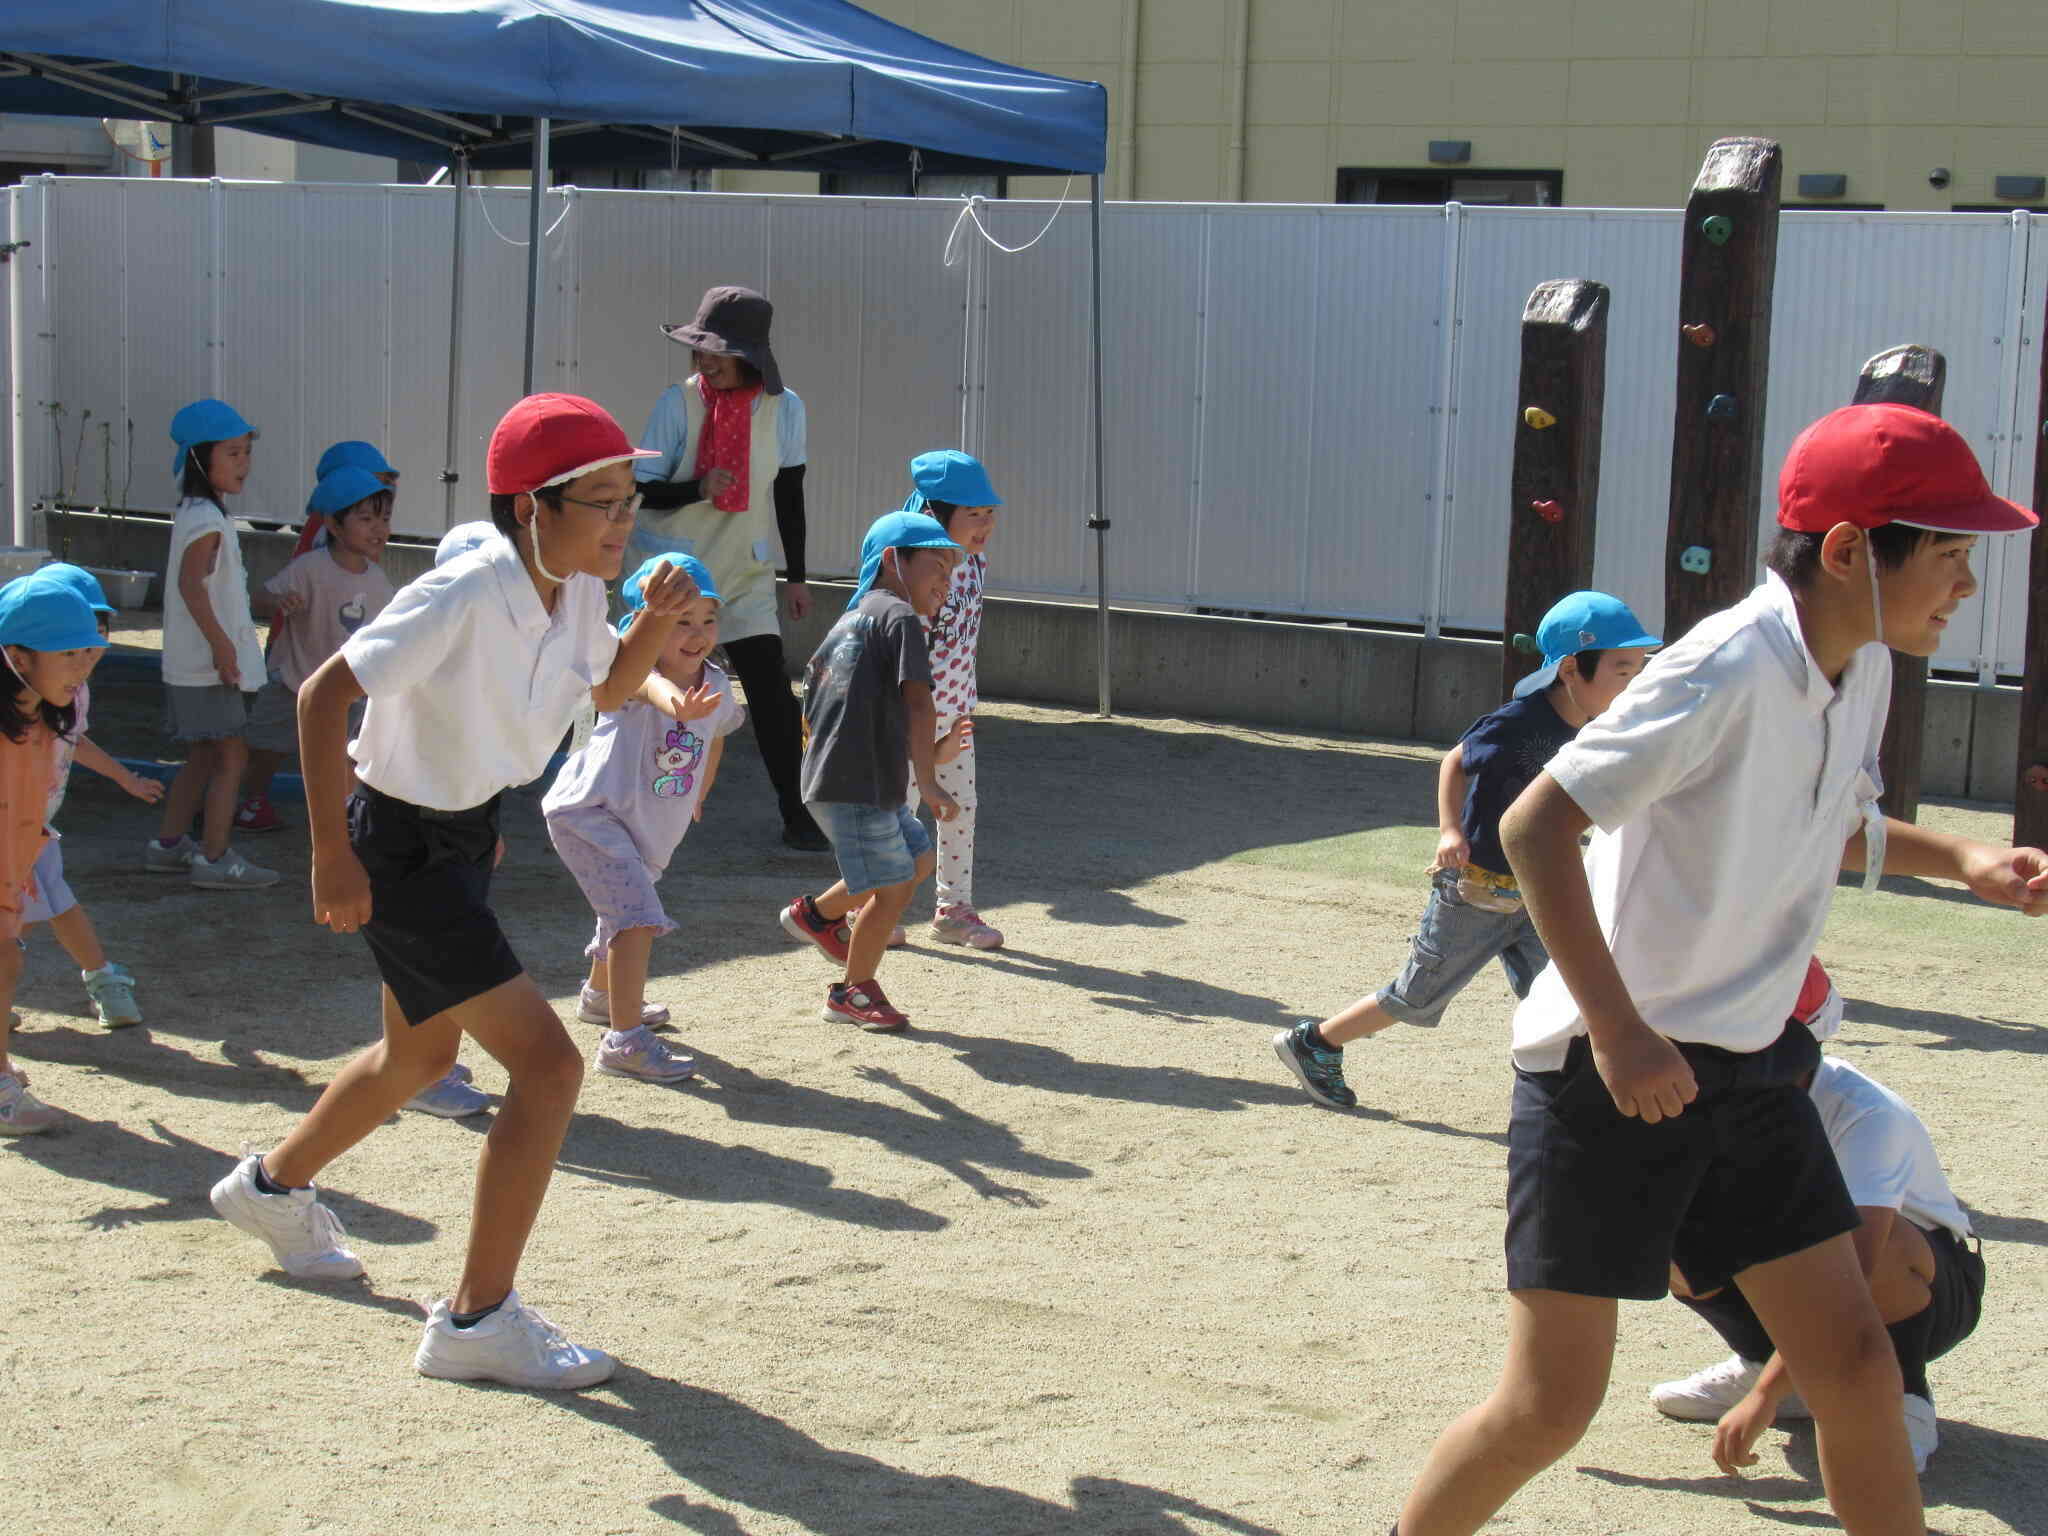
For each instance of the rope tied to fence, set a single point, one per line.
(970, 213)
(484, 206)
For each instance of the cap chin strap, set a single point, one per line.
(1874, 829)
(534, 528)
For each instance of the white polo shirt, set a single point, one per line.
(1887, 1157)
(472, 683)
(1723, 783)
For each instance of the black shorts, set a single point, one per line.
(1958, 1290)
(431, 929)
(1601, 1204)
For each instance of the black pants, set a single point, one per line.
(778, 728)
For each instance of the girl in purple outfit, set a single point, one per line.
(622, 803)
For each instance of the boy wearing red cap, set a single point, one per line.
(473, 673)
(1658, 1116)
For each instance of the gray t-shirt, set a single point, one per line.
(858, 740)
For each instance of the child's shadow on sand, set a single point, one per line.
(722, 1448)
(1993, 1470)
(177, 1173)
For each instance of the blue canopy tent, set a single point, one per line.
(763, 84)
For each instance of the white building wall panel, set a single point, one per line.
(1368, 386)
(1031, 411)
(1635, 253)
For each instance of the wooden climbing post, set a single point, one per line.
(2030, 797)
(1729, 263)
(1556, 478)
(1909, 375)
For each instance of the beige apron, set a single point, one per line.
(739, 547)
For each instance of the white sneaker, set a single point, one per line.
(230, 872)
(1922, 1432)
(450, 1096)
(303, 1234)
(594, 1007)
(640, 1054)
(514, 1345)
(21, 1112)
(1704, 1396)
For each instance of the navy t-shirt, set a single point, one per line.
(1504, 751)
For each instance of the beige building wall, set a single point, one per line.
(1266, 100)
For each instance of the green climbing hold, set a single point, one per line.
(1718, 228)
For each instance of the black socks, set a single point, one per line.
(471, 1319)
(266, 1185)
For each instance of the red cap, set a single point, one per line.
(547, 439)
(1868, 465)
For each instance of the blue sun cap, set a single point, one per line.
(895, 530)
(340, 489)
(1584, 621)
(634, 590)
(46, 613)
(204, 421)
(948, 475)
(352, 453)
(79, 580)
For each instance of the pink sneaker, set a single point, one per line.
(963, 925)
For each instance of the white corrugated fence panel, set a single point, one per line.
(1369, 385)
(1851, 285)
(1507, 253)
(1034, 410)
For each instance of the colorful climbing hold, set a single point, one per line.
(1721, 408)
(1718, 228)
(1538, 418)
(1700, 334)
(1549, 511)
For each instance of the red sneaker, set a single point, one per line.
(800, 920)
(258, 815)
(862, 1003)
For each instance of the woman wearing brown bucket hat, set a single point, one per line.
(730, 441)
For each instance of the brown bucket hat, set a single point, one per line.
(734, 321)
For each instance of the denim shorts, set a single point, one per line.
(1452, 946)
(874, 847)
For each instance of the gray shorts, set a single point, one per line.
(215, 712)
(274, 719)
(1452, 946)
(52, 896)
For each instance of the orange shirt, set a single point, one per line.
(27, 770)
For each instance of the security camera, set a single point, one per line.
(1938, 177)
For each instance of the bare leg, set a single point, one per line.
(1560, 1348)
(600, 975)
(257, 776)
(627, 973)
(231, 756)
(10, 978)
(1817, 1307)
(188, 789)
(367, 1092)
(1362, 1018)
(835, 901)
(878, 919)
(75, 932)
(515, 1024)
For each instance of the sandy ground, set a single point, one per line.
(1073, 1255)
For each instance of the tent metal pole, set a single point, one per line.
(535, 250)
(1100, 521)
(449, 475)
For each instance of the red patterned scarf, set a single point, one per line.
(728, 441)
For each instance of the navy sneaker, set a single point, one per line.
(1320, 1069)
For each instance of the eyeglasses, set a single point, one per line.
(614, 511)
